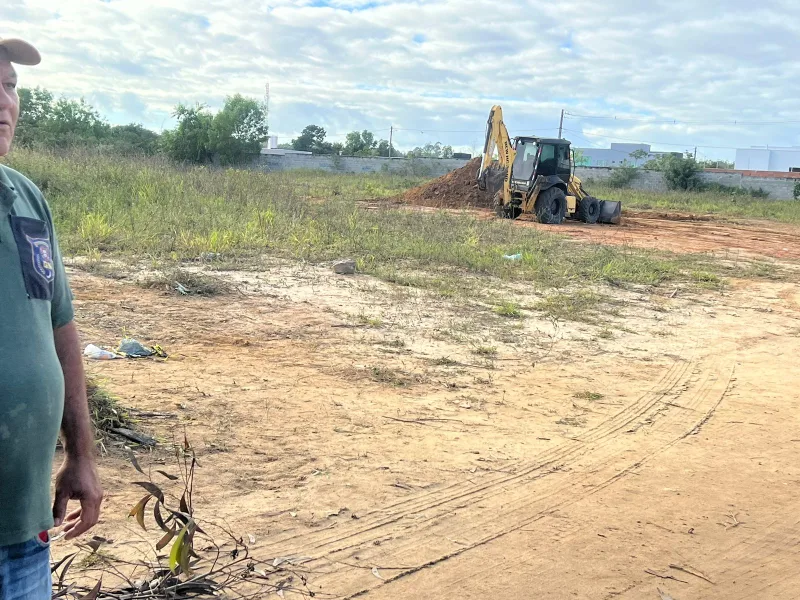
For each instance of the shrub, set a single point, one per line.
(682, 174)
(796, 192)
(622, 176)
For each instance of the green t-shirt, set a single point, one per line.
(34, 299)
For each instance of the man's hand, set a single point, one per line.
(77, 480)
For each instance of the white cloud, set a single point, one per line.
(435, 64)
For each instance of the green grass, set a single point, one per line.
(590, 396)
(104, 408)
(711, 202)
(575, 305)
(110, 206)
(490, 351)
(508, 309)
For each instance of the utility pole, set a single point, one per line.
(391, 132)
(561, 124)
(695, 153)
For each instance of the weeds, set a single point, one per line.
(104, 408)
(590, 396)
(508, 309)
(181, 281)
(578, 305)
(444, 361)
(489, 351)
(389, 376)
(112, 206)
(717, 202)
(368, 321)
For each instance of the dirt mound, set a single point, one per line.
(457, 189)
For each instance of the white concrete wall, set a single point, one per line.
(777, 187)
(433, 167)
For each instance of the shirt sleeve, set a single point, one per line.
(61, 310)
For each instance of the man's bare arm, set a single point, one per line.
(77, 479)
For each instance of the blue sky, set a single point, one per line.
(713, 74)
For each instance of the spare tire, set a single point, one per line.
(551, 206)
(589, 210)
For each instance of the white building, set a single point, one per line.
(618, 155)
(764, 158)
(271, 148)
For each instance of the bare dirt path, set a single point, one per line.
(688, 233)
(674, 232)
(408, 445)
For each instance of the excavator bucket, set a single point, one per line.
(610, 212)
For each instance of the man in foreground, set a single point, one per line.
(42, 385)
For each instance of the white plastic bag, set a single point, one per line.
(93, 352)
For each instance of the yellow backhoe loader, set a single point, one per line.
(536, 175)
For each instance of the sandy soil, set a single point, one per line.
(357, 424)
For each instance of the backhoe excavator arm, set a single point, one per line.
(497, 139)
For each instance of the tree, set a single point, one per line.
(36, 106)
(432, 151)
(639, 155)
(133, 139)
(190, 140)
(360, 143)
(57, 123)
(716, 164)
(581, 160)
(383, 149)
(680, 172)
(311, 139)
(239, 129)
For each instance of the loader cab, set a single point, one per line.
(540, 156)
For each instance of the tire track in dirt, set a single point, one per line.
(673, 376)
(649, 410)
(595, 478)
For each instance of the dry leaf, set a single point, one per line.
(159, 519)
(134, 462)
(664, 595)
(152, 488)
(252, 538)
(377, 573)
(94, 593)
(184, 506)
(168, 476)
(166, 539)
(138, 511)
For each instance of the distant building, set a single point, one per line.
(271, 147)
(763, 158)
(619, 154)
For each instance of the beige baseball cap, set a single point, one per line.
(17, 51)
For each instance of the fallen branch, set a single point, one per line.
(660, 576)
(692, 571)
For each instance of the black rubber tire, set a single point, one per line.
(551, 206)
(588, 210)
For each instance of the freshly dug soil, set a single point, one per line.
(457, 189)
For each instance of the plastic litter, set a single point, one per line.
(97, 353)
(512, 256)
(131, 348)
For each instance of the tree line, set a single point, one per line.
(360, 143)
(232, 134)
(229, 136)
